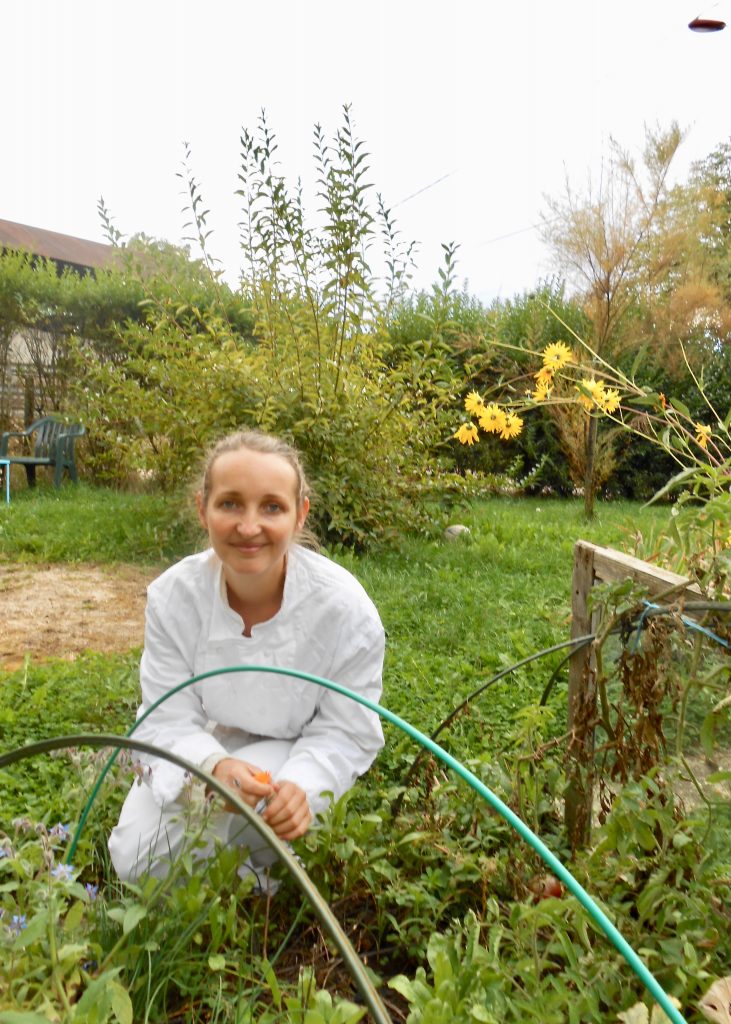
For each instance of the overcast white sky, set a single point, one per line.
(503, 98)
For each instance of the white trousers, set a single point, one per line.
(148, 838)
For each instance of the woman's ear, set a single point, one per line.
(201, 511)
(302, 515)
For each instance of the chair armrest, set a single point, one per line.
(5, 437)
(63, 445)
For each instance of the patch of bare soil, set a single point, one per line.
(59, 611)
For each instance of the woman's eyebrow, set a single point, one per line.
(268, 496)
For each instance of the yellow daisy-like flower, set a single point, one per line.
(596, 393)
(467, 434)
(556, 355)
(545, 376)
(702, 435)
(492, 419)
(609, 401)
(473, 402)
(542, 391)
(513, 426)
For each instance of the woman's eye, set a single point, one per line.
(273, 506)
(228, 504)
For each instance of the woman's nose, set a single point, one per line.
(248, 525)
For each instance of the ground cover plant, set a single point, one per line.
(455, 916)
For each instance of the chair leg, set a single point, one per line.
(57, 474)
(30, 472)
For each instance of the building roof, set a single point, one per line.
(79, 252)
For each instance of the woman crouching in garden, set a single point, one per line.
(255, 597)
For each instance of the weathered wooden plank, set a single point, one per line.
(614, 566)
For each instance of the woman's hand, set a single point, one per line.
(240, 777)
(288, 813)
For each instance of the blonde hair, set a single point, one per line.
(266, 444)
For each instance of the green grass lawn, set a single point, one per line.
(455, 612)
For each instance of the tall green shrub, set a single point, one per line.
(320, 369)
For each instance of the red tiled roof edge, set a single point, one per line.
(55, 246)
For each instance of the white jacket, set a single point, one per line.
(327, 626)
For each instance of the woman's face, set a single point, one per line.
(252, 514)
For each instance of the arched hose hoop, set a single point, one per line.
(319, 905)
(597, 915)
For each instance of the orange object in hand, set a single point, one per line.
(262, 776)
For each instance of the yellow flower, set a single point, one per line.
(473, 402)
(596, 393)
(556, 355)
(542, 391)
(702, 435)
(513, 426)
(609, 400)
(467, 433)
(545, 376)
(492, 419)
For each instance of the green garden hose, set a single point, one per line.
(556, 866)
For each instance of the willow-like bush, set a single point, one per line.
(320, 369)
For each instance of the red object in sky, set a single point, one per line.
(706, 25)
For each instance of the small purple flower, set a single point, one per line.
(60, 831)
(64, 871)
(92, 891)
(17, 924)
(4, 852)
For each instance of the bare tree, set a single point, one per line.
(616, 242)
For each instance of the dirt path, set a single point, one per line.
(61, 610)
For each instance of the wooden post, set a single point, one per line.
(593, 563)
(581, 704)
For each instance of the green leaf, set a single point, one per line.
(479, 1013)
(36, 928)
(413, 837)
(681, 407)
(121, 1003)
(404, 987)
(133, 916)
(638, 360)
(74, 916)
(674, 482)
(651, 400)
(645, 836)
(273, 984)
(708, 734)
(96, 996)
(72, 951)
(217, 962)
